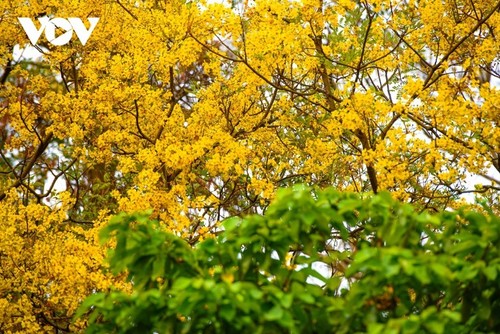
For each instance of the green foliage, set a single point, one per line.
(392, 270)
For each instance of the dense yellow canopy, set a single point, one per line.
(200, 110)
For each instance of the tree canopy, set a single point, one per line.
(407, 272)
(200, 110)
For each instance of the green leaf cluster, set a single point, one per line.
(318, 261)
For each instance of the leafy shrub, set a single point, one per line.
(316, 262)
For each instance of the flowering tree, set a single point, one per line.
(200, 110)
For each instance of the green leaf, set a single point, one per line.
(422, 275)
(227, 311)
(484, 311)
(274, 313)
(305, 297)
(287, 300)
(255, 293)
(182, 283)
(442, 271)
(365, 254)
(435, 327)
(454, 316)
(464, 247)
(375, 328)
(231, 224)
(95, 300)
(490, 273)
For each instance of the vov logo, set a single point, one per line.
(49, 25)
